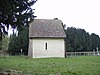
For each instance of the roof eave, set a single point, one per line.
(47, 37)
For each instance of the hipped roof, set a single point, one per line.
(46, 28)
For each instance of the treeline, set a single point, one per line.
(80, 40)
(16, 42)
(19, 42)
(76, 40)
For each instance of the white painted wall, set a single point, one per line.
(55, 48)
(30, 50)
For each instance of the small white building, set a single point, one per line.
(46, 38)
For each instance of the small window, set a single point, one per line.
(46, 46)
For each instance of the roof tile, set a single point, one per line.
(41, 28)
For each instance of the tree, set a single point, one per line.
(14, 45)
(19, 41)
(16, 13)
(80, 40)
(5, 43)
(70, 35)
(0, 41)
(23, 38)
(94, 41)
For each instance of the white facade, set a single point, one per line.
(47, 47)
(46, 38)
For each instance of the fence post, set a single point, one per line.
(21, 51)
(97, 51)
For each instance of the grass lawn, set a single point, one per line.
(82, 65)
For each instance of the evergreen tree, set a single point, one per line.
(70, 35)
(20, 41)
(15, 13)
(94, 41)
(0, 40)
(80, 40)
(23, 37)
(14, 45)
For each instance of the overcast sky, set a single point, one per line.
(83, 14)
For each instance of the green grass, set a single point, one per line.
(83, 65)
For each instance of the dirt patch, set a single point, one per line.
(10, 72)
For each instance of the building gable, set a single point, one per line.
(46, 38)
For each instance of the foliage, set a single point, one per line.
(15, 13)
(23, 38)
(76, 40)
(80, 40)
(5, 43)
(94, 40)
(14, 45)
(85, 65)
(0, 41)
(20, 41)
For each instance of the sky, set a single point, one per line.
(83, 14)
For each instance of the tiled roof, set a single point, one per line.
(46, 28)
